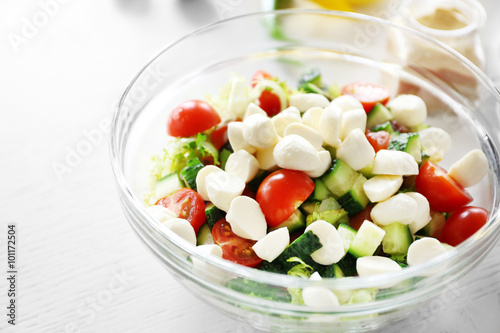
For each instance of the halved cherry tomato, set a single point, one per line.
(357, 220)
(186, 204)
(190, 118)
(442, 192)
(463, 223)
(379, 140)
(234, 247)
(260, 75)
(219, 136)
(270, 102)
(367, 93)
(281, 193)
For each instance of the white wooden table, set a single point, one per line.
(79, 266)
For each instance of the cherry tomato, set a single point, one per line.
(357, 220)
(219, 136)
(462, 224)
(281, 193)
(367, 93)
(442, 192)
(379, 140)
(234, 247)
(186, 204)
(260, 75)
(270, 102)
(190, 118)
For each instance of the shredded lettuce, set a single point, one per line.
(302, 270)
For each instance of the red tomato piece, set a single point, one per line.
(234, 247)
(219, 136)
(270, 102)
(260, 75)
(357, 220)
(281, 193)
(463, 223)
(190, 118)
(186, 204)
(379, 140)
(442, 192)
(367, 93)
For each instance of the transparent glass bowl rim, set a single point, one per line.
(467, 247)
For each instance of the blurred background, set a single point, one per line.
(63, 67)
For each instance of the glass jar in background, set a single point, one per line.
(455, 23)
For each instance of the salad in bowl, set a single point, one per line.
(304, 178)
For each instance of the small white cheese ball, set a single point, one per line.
(351, 120)
(266, 158)
(393, 162)
(222, 188)
(311, 135)
(236, 139)
(423, 215)
(380, 188)
(246, 218)
(423, 250)
(160, 213)
(408, 110)
(470, 169)
(332, 249)
(319, 297)
(273, 244)
(325, 160)
(295, 153)
(182, 228)
(312, 117)
(243, 165)
(201, 180)
(254, 109)
(284, 118)
(346, 103)
(373, 265)
(330, 125)
(303, 102)
(399, 208)
(259, 131)
(355, 150)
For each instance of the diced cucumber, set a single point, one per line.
(213, 214)
(223, 156)
(308, 207)
(348, 265)
(387, 126)
(419, 127)
(204, 235)
(367, 171)
(295, 222)
(330, 271)
(355, 200)
(259, 289)
(367, 240)
(168, 185)
(312, 76)
(434, 227)
(311, 88)
(409, 143)
(301, 248)
(347, 234)
(190, 172)
(397, 239)
(340, 178)
(328, 204)
(378, 115)
(321, 192)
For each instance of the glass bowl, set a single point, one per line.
(345, 47)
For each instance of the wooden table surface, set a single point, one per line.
(80, 268)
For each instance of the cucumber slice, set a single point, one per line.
(384, 127)
(301, 248)
(190, 172)
(378, 115)
(204, 235)
(213, 214)
(347, 234)
(168, 185)
(295, 222)
(339, 178)
(397, 239)
(367, 240)
(321, 192)
(355, 200)
(409, 143)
